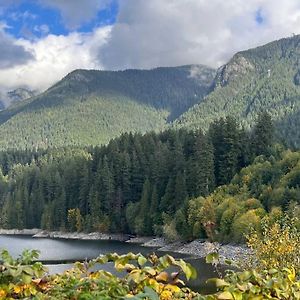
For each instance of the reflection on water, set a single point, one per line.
(55, 250)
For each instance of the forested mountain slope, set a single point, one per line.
(90, 107)
(264, 78)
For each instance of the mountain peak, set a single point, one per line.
(237, 66)
(266, 78)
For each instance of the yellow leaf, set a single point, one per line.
(17, 289)
(172, 288)
(225, 296)
(163, 276)
(166, 295)
(2, 293)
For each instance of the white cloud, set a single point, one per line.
(148, 34)
(12, 54)
(54, 57)
(76, 12)
(43, 29)
(174, 32)
(16, 15)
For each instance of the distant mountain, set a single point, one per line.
(2, 104)
(11, 97)
(266, 78)
(90, 107)
(19, 94)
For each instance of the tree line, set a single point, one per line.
(135, 184)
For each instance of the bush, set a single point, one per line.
(142, 277)
(276, 245)
(145, 278)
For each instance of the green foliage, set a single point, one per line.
(141, 277)
(256, 191)
(18, 276)
(250, 284)
(145, 278)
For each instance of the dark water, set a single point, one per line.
(58, 254)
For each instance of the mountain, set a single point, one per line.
(11, 97)
(19, 94)
(90, 107)
(265, 78)
(2, 103)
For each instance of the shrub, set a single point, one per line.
(277, 244)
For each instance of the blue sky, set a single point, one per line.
(32, 19)
(43, 40)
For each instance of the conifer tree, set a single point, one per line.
(262, 134)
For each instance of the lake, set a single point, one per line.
(58, 254)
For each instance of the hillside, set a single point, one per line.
(263, 78)
(90, 107)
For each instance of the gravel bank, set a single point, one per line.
(200, 248)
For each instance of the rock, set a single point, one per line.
(202, 249)
(173, 247)
(139, 240)
(156, 242)
(19, 231)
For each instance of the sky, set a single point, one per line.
(43, 40)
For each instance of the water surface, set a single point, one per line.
(58, 254)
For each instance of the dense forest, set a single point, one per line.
(90, 107)
(137, 183)
(92, 122)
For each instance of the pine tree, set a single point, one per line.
(167, 201)
(84, 189)
(107, 191)
(154, 207)
(262, 135)
(203, 166)
(143, 219)
(180, 192)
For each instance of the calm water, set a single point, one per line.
(58, 254)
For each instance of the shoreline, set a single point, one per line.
(93, 236)
(196, 248)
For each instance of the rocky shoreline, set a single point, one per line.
(200, 248)
(196, 248)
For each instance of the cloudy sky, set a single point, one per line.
(42, 40)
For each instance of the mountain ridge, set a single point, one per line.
(107, 102)
(90, 107)
(259, 79)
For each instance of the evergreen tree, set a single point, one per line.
(143, 224)
(203, 166)
(262, 135)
